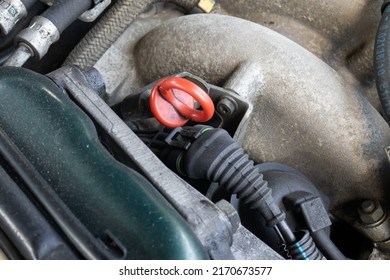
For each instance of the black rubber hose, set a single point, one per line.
(65, 12)
(217, 157)
(78, 235)
(29, 3)
(8, 248)
(305, 248)
(203, 152)
(111, 26)
(326, 246)
(26, 227)
(382, 60)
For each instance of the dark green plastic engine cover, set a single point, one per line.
(61, 142)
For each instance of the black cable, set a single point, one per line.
(326, 246)
(286, 233)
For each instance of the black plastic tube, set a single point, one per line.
(29, 3)
(382, 61)
(8, 248)
(326, 246)
(213, 155)
(79, 236)
(217, 157)
(65, 12)
(26, 227)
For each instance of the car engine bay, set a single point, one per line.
(194, 129)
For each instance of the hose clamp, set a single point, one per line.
(11, 11)
(39, 36)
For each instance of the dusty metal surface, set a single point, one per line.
(306, 115)
(215, 225)
(11, 12)
(313, 102)
(332, 29)
(248, 247)
(305, 69)
(378, 255)
(341, 33)
(117, 64)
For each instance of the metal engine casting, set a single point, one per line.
(191, 129)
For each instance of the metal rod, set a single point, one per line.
(19, 57)
(286, 232)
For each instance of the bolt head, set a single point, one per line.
(371, 212)
(226, 107)
(230, 213)
(368, 206)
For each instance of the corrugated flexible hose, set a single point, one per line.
(382, 60)
(111, 26)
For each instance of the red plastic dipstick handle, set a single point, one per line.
(172, 102)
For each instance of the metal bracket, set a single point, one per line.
(92, 14)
